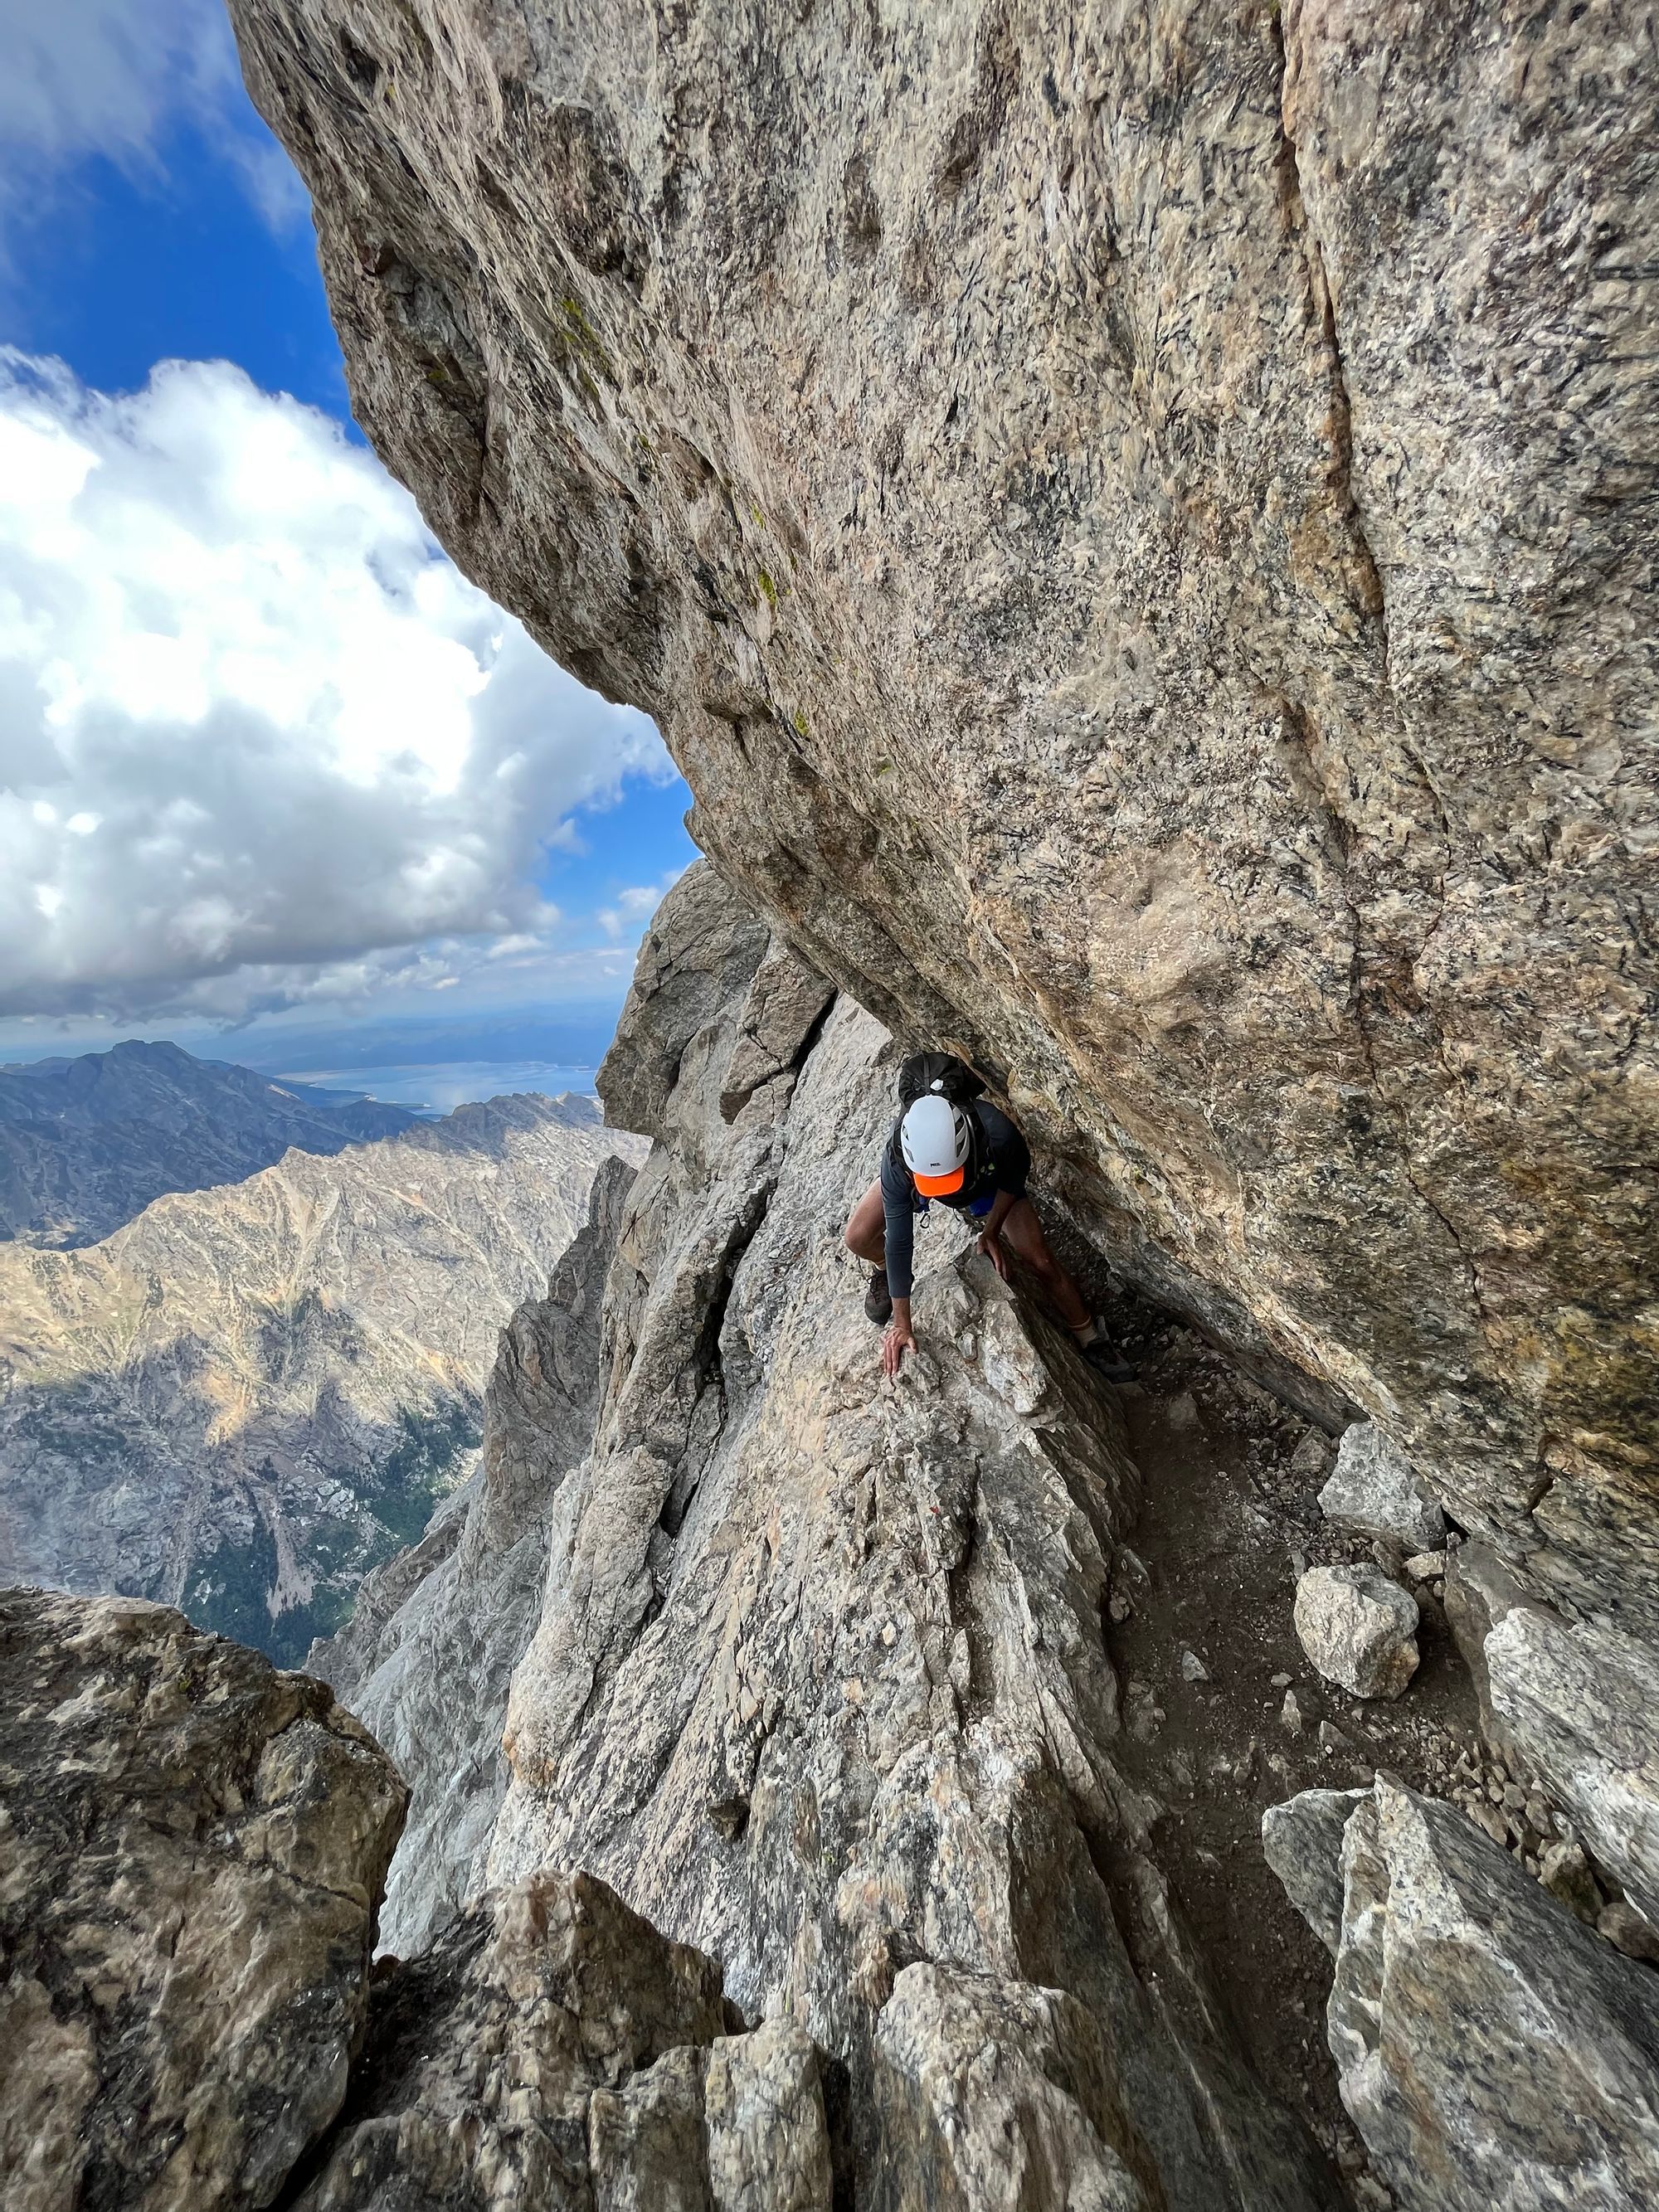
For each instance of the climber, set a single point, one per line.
(952, 1148)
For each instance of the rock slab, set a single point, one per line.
(1580, 1704)
(819, 1684)
(426, 1659)
(192, 1847)
(1491, 2050)
(1373, 1491)
(1359, 1629)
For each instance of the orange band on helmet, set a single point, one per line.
(940, 1186)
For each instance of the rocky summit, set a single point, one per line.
(1138, 526)
(243, 1400)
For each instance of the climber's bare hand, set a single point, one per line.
(897, 1341)
(990, 1244)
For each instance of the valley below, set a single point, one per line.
(245, 1398)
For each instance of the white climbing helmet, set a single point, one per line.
(935, 1142)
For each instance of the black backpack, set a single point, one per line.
(938, 1070)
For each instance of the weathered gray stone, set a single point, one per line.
(551, 2044)
(1479, 1590)
(191, 1851)
(1580, 1704)
(787, 1001)
(1490, 2051)
(1137, 525)
(1302, 1842)
(426, 1660)
(1358, 1628)
(1373, 1491)
(1627, 1931)
(769, 2149)
(819, 1683)
(995, 2093)
(1565, 1873)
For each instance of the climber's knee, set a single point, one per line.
(865, 1235)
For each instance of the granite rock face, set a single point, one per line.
(1359, 1629)
(192, 1849)
(1492, 2051)
(819, 1684)
(426, 1658)
(1138, 526)
(551, 2049)
(1581, 1706)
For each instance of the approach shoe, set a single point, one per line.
(1099, 1356)
(878, 1299)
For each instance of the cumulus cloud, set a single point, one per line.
(259, 740)
(634, 907)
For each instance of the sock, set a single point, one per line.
(1089, 1334)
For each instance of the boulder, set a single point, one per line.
(552, 2049)
(1491, 2050)
(1480, 1587)
(193, 1847)
(1579, 1703)
(1359, 1629)
(997, 2095)
(1627, 1931)
(1302, 1842)
(1372, 1491)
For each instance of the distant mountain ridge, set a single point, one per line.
(248, 1395)
(86, 1144)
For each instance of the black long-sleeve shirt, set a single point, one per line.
(1001, 1161)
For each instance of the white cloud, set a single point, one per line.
(259, 740)
(634, 907)
(110, 77)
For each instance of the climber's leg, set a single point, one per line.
(866, 1235)
(1022, 1232)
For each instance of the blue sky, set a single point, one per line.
(165, 819)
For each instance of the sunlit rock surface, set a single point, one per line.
(1491, 2050)
(428, 1652)
(819, 1684)
(1138, 526)
(247, 1397)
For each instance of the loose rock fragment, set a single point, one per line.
(1627, 1931)
(1565, 1873)
(1302, 1841)
(1373, 1491)
(1359, 1629)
